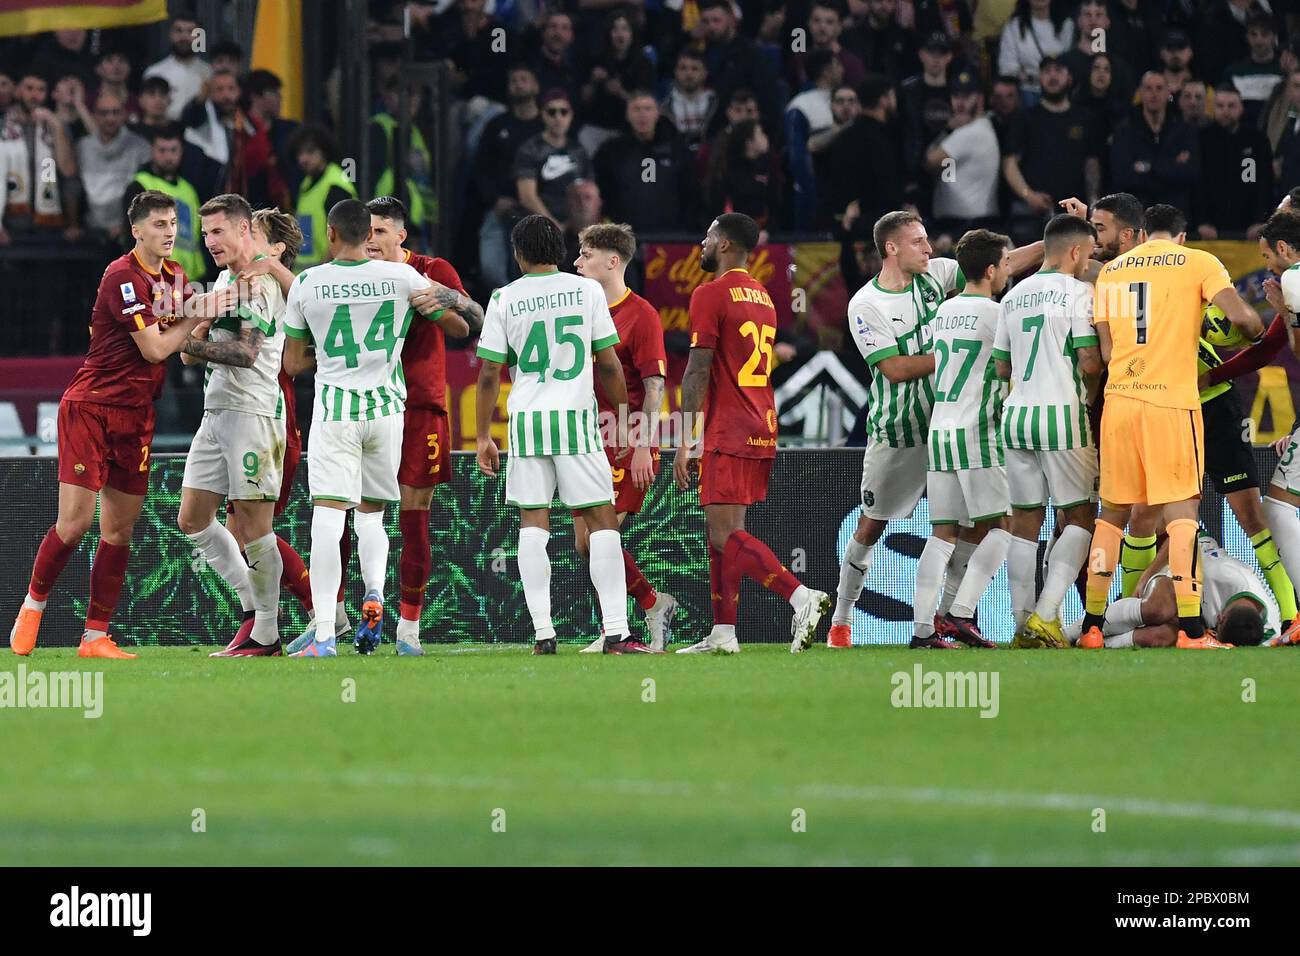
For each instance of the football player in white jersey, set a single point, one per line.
(356, 311)
(1047, 348)
(238, 451)
(889, 319)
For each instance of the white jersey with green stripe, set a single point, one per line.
(1224, 579)
(1045, 320)
(357, 314)
(257, 389)
(967, 392)
(546, 327)
(885, 323)
(1291, 288)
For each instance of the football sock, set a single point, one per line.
(1069, 555)
(715, 584)
(1119, 640)
(345, 554)
(984, 564)
(372, 550)
(753, 558)
(1270, 563)
(1183, 554)
(1125, 615)
(264, 571)
(327, 526)
(51, 558)
(1022, 557)
(294, 577)
(853, 572)
(106, 576)
(929, 580)
(1104, 551)
(1135, 556)
(607, 576)
(961, 555)
(728, 586)
(535, 573)
(220, 549)
(416, 562)
(1284, 523)
(637, 586)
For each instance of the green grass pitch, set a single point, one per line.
(477, 755)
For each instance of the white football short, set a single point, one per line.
(355, 461)
(582, 480)
(1068, 477)
(967, 496)
(237, 454)
(1287, 473)
(893, 480)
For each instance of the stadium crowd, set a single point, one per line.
(814, 116)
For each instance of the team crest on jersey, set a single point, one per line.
(128, 292)
(771, 420)
(1135, 368)
(79, 468)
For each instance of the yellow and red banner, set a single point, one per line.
(20, 17)
(277, 46)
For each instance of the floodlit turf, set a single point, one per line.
(563, 753)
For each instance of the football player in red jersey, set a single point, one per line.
(426, 430)
(106, 419)
(604, 252)
(728, 378)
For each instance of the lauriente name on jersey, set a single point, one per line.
(380, 289)
(567, 298)
(743, 293)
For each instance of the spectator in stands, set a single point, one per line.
(1052, 155)
(1283, 111)
(63, 53)
(263, 89)
(324, 184)
(1133, 39)
(833, 196)
(183, 70)
(1153, 154)
(554, 61)
(546, 164)
(742, 105)
(735, 61)
(163, 173)
(69, 103)
(463, 35)
(1004, 108)
(1193, 104)
(950, 17)
(31, 136)
(825, 31)
(585, 208)
(1235, 192)
(1222, 38)
(1037, 28)
(494, 167)
(880, 43)
(113, 70)
(866, 161)
(420, 198)
(107, 160)
(227, 57)
(155, 106)
(1106, 106)
(809, 115)
(618, 69)
(747, 183)
(234, 144)
(646, 176)
(1255, 76)
(1091, 37)
(925, 106)
(965, 163)
(1176, 61)
(690, 103)
(7, 88)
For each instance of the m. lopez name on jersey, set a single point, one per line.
(385, 288)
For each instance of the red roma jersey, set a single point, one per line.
(734, 316)
(640, 348)
(290, 403)
(130, 298)
(424, 356)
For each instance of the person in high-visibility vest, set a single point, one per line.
(324, 184)
(421, 200)
(162, 172)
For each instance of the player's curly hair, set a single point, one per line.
(281, 227)
(537, 240)
(610, 237)
(1282, 226)
(1242, 626)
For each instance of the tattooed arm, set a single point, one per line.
(695, 384)
(461, 315)
(240, 352)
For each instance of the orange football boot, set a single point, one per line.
(1206, 643)
(841, 635)
(23, 636)
(104, 647)
(1092, 639)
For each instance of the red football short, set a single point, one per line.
(426, 448)
(731, 480)
(292, 455)
(628, 498)
(105, 445)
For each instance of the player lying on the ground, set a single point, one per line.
(967, 483)
(604, 250)
(1236, 606)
